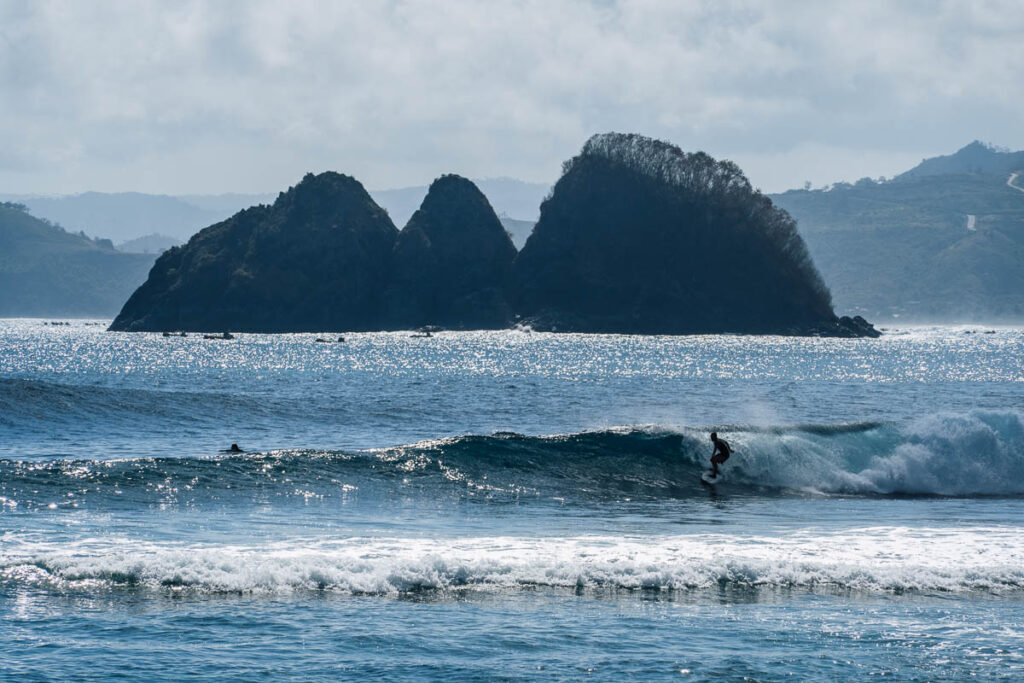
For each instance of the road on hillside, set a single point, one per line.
(1009, 181)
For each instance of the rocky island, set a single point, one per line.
(641, 237)
(637, 237)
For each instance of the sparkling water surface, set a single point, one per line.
(510, 505)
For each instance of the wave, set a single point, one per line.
(868, 559)
(977, 453)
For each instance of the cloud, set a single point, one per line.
(247, 96)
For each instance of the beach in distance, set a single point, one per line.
(510, 503)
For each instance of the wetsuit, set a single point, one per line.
(720, 454)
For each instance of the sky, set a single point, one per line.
(210, 97)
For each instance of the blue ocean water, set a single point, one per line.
(510, 505)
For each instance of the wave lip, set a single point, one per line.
(876, 559)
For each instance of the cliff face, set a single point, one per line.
(452, 262)
(640, 237)
(316, 260)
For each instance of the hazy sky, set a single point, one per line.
(209, 97)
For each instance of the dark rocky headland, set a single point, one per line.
(637, 237)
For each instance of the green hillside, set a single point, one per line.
(47, 271)
(908, 248)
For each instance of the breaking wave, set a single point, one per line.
(977, 453)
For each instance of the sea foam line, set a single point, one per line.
(869, 559)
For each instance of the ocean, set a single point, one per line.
(510, 505)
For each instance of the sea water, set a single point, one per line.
(510, 505)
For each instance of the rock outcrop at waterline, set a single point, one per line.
(641, 237)
(318, 259)
(638, 237)
(452, 262)
(326, 257)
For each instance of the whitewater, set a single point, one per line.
(510, 505)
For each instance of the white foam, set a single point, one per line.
(868, 559)
(969, 454)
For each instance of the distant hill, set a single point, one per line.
(226, 204)
(46, 271)
(942, 242)
(148, 244)
(517, 230)
(126, 216)
(976, 158)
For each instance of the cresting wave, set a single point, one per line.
(978, 453)
(867, 559)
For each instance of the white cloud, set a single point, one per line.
(247, 96)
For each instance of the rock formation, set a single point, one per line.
(452, 262)
(641, 237)
(637, 237)
(316, 260)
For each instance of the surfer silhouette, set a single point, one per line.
(234, 449)
(720, 454)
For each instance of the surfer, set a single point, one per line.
(720, 454)
(234, 449)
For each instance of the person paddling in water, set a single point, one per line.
(720, 454)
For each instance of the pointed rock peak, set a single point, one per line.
(452, 261)
(315, 188)
(451, 189)
(456, 206)
(319, 196)
(451, 182)
(317, 260)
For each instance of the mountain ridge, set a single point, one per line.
(943, 242)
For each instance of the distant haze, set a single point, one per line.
(214, 97)
(129, 216)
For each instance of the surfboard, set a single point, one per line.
(709, 478)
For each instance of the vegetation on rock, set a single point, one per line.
(639, 236)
